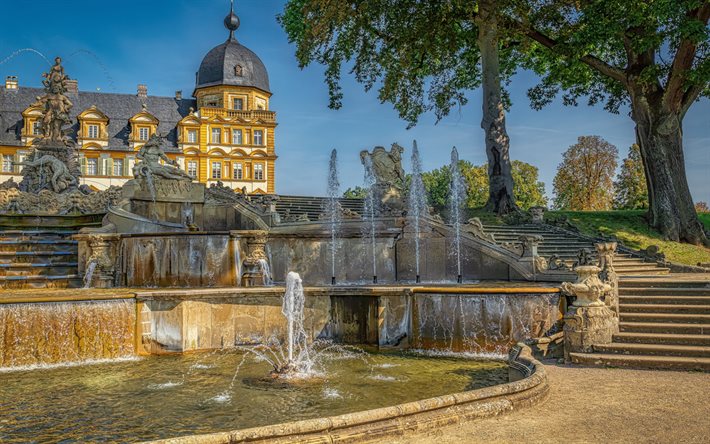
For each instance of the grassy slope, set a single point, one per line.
(632, 229)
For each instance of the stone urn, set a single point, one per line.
(588, 288)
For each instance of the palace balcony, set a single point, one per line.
(266, 116)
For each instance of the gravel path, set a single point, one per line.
(598, 405)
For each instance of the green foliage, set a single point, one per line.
(630, 190)
(421, 55)
(632, 229)
(357, 192)
(702, 207)
(529, 190)
(584, 179)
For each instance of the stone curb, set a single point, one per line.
(402, 419)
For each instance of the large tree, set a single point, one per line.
(649, 54)
(630, 191)
(423, 55)
(585, 178)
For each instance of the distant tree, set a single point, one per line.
(529, 190)
(357, 192)
(585, 178)
(702, 207)
(630, 190)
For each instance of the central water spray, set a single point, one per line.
(370, 209)
(457, 197)
(417, 204)
(333, 208)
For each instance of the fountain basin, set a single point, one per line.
(165, 396)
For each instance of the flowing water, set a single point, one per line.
(265, 272)
(417, 203)
(333, 208)
(457, 198)
(167, 396)
(89, 275)
(368, 228)
(24, 50)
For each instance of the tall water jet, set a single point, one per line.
(293, 308)
(417, 203)
(333, 208)
(368, 228)
(457, 197)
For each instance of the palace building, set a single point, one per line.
(226, 132)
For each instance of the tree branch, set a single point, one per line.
(690, 97)
(590, 60)
(674, 96)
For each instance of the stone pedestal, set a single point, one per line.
(98, 252)
(255, 267)
(588, 321)
(166, 200)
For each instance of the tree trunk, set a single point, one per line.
(500, 177)
(659, 133)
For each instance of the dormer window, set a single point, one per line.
(191, 136)
(93, 131)
(36, 128)
(143, 134)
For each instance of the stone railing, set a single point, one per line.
(267, 116)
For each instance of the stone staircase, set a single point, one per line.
(567, 245)
(38, 258)
(295, 208)
(664, 323)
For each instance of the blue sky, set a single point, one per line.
(161, 43)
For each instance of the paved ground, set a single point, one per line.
(597, 405)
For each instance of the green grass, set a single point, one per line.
(632, 229)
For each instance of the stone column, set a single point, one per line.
(530, 243)
(99, 252)
(588, 320)
(606, 252)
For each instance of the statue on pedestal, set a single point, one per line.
(387, 171)
(150, 156)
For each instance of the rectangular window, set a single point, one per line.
(192, 168)
(118, 167)
(258, 137)
(143, 134)
(94, 131)
(216, 135)
(258, 172)
(191, 136)
(216, 170)
(238, 171)
(92, 167)
(237, 136)
(36, 128)
(7, 164)
(239, 104)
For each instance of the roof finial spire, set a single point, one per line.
(231, 22)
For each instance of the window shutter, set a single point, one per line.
(83, 165)
(109, 167)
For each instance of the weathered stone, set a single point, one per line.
(606, 252)
(537, 214)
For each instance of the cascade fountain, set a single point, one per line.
(417, 203)
(457, 197)
(333, 208)
(368, 228)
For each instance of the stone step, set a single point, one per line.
(664, 308)
(37, 257)
(39, 245)
(662, 338)
(30, 235)
(664, 300)
(643, 271)
(664, 327)
(654, 349)
(679, 318)
(29, 269)
(36, 281)
(663, 282)
(641, 361)
(662, 291)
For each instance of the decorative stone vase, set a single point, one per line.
(588, 289)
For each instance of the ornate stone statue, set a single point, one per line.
(60, 180)
(53, 162)
(386, 168)
(150, 167)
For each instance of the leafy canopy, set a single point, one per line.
(630, 190)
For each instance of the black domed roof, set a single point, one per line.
(232, 63)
